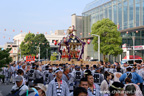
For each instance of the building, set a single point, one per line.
(128, 15)
(77, 21)
(14, 50)
(57, 35)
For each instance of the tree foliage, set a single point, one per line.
(53, 56)
(31, 44)
(5, 57)
(110, 38)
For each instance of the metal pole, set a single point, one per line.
(98, 45)
(39, 53)
(99, 48)
(47, 54)
(133, 46)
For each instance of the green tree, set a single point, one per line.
(5, 57)
(110, 38)
(53, 56)
(31, 44)
(43, 43)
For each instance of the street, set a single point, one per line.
(5, 89)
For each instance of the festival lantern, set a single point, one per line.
(127, 32)
(11, 45)
(21, 31)
(31, 42)
(13, 30)
(9, 38)
(88, 41)
(45, 32)
(136, 31)
(37, 32)
(80, 33)
(29, 31)
(55, 42)
(47, 43)
(3, 36)
(39, 43)
(35, 43)
(4, 29)
(89, 33)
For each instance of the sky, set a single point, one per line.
(36, 16)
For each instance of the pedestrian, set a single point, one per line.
(80, 91)
(57, 87)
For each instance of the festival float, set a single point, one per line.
(71, 47)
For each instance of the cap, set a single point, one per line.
(41, 86)
(18, 78)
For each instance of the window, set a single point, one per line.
(120, 16)
(131, 13)
(137, 5)
(110, 13)
(115, 14)
(125, 9)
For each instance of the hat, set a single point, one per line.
(41, 86)
(18, 78)
(58, 69)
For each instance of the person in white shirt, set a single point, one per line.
(106, 83)
(19, 86)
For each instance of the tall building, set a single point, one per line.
(77, 21)
(128, 15)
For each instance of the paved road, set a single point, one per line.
(5, 89)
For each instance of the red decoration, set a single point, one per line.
(64, 39)
(29, 31)
(89, 33)
(4, 29)
(9, 38)
(45, 32)
(37, 32)
(80, 33)
(55, 42)
(78, 51)
(3, 36)
(88, 41)
(30, 58)
(13, 30)
(21, 31)
(133, 57)
(11, 45)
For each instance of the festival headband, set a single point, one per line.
(118, 88)
(57, 70)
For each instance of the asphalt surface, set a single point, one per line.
(5, 89)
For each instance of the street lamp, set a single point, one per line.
(98, 45)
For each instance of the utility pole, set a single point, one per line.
(98, 45)
(39, 53)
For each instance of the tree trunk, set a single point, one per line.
(103, 58)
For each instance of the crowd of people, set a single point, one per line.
(103, 79)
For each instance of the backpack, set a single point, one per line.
(96, 78)
(46, 75)
(129, 75)
(78, 75)
(31, 74)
